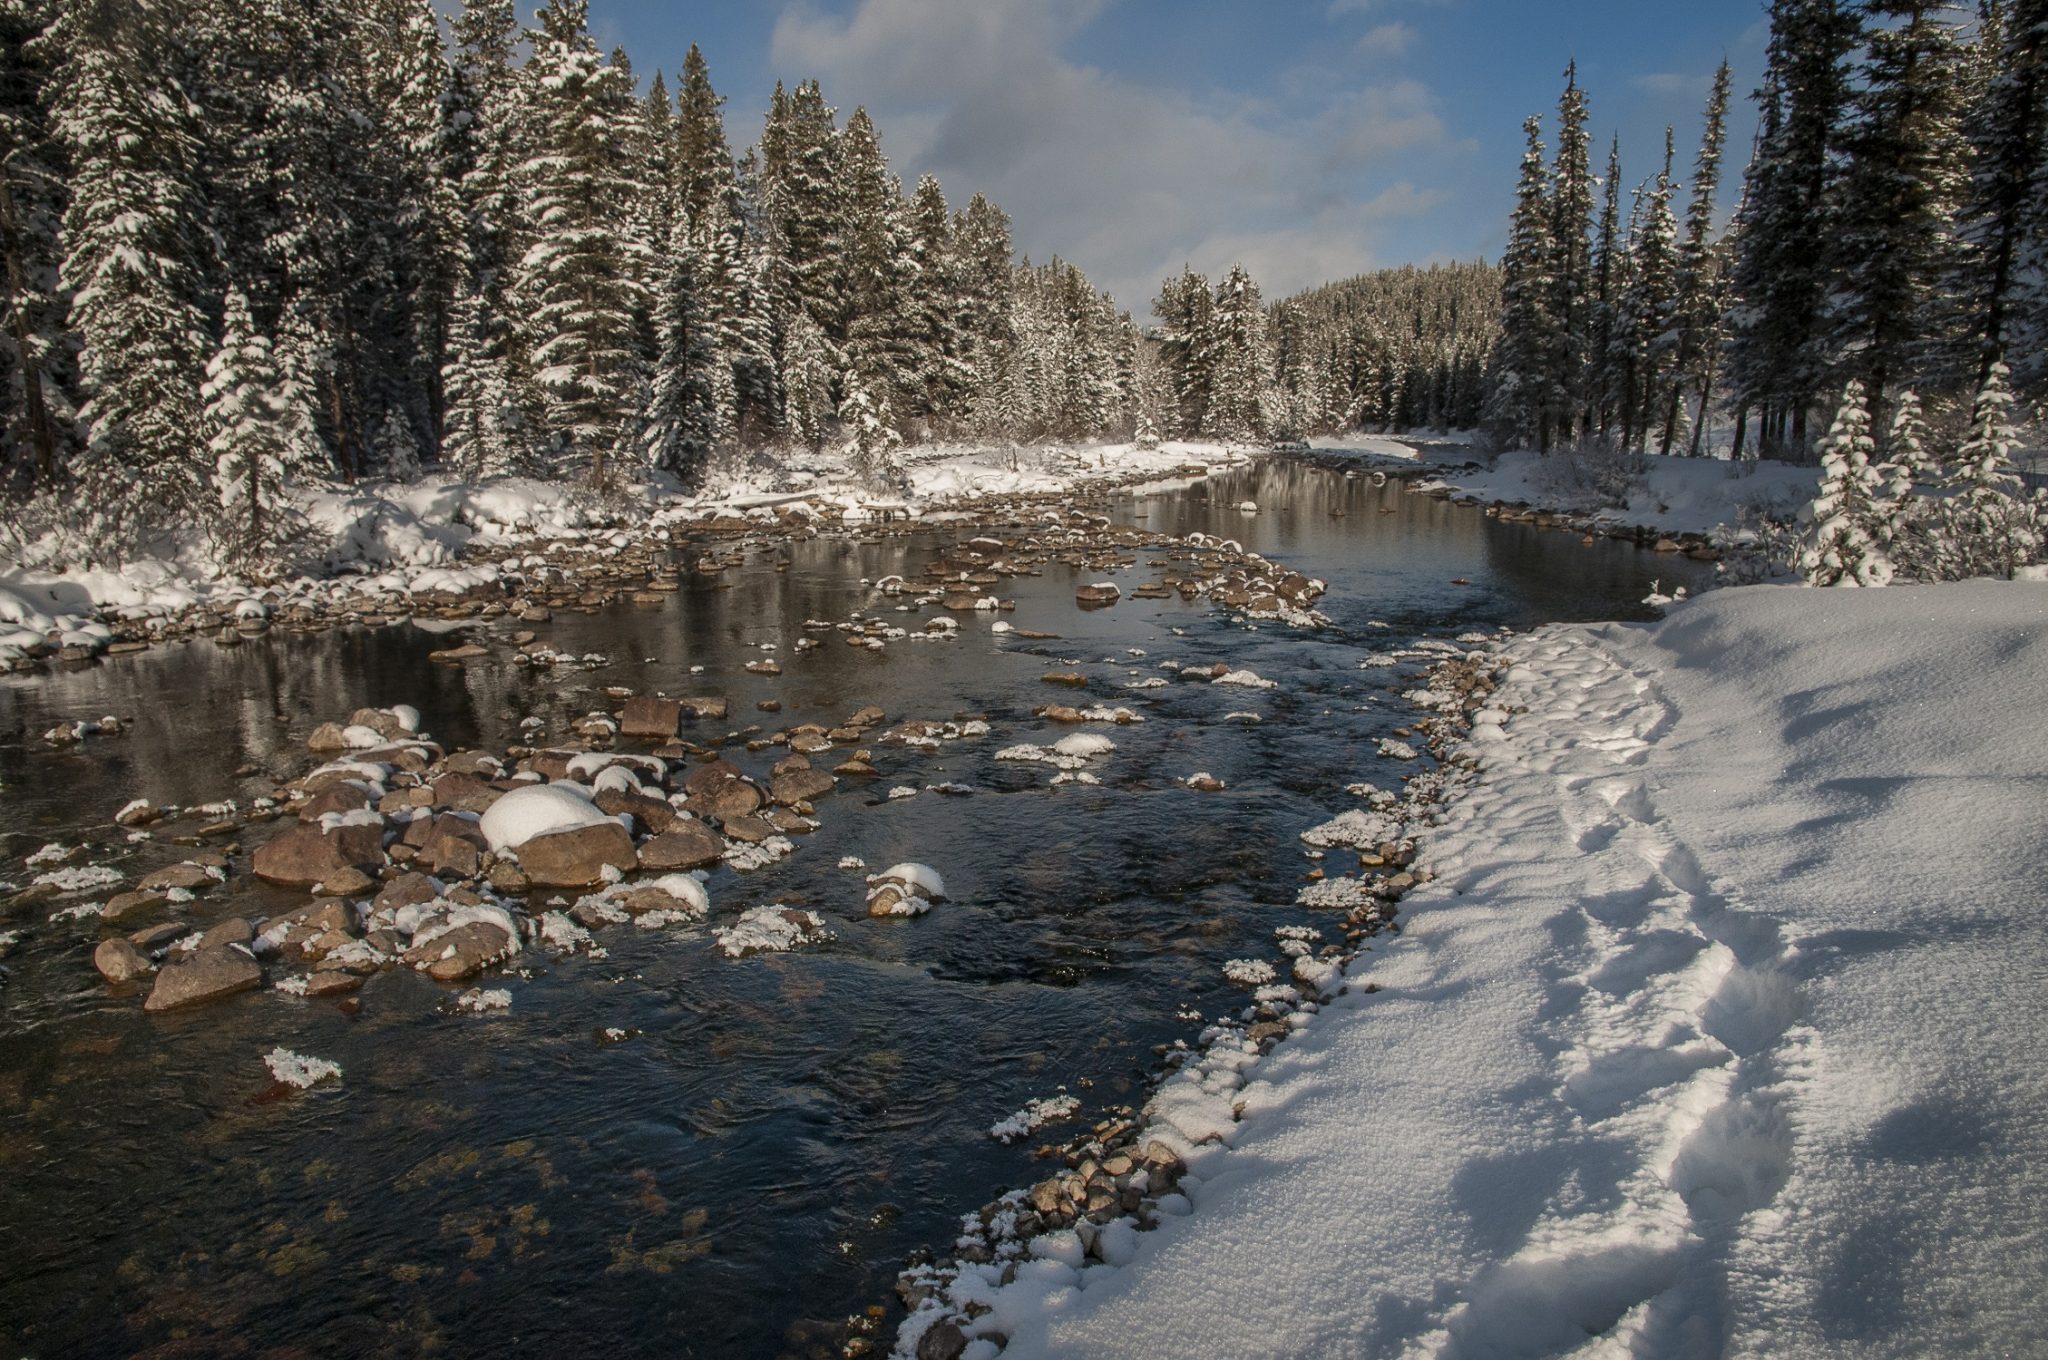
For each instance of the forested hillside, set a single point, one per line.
(254, 241)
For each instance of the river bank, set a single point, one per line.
(1712, 1033)
(446, 552)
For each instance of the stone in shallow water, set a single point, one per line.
(686, 845)
(119, 961)
(207, 975)
(577, 858)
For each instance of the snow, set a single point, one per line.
(296, 1069)
(1673, 496)
(771, 929)
(1715, 1033)
(920, 877)
(525, 813)
(1036, 1114)
(1245, 680)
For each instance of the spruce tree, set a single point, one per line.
(1610, 281)
(581, 274)
(682, 417)
(1650, 307)
(1989, 527)
(38, 441)
(1777, 355)
(1238, 406)
(260, 437)
(2004, 219)
(879, 273)
(1895, 244)
(133, 264)
(1844, 544)
(703, 167)
(1571, 225)
(1518, 406)
(1699, 301)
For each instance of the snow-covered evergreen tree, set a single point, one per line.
(1571, 281)
(871, 438)
(1989, 526)
(809, 374)
(1649, 331)
(1847, 536)
(133, 264)
(260, 436)
(883, 350)
(703, 168)
(1522, 376)
(682, 418)
(37, 367)
(1238, 408)
(581, 273)
(2005, 220)
(1700, 275)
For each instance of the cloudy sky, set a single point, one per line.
(1310, 139)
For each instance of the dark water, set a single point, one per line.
(751, 1167)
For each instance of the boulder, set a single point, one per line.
(456, 792)
(127, 906)
(119, 961)
(654, 814)
(346, 882)
(187, 875)
(799, 786)
(749, 830)
(577, 858)
(327, 737)
(334, 983)
(651, 719)
(405, 891)
(689, 844)
(451, 856)
(206, 975)
(303, 855)
(461, 953)
(704, 707)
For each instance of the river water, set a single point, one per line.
(752, 1164)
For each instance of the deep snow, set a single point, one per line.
(1717, 1033)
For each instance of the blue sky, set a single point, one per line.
(1311, 139)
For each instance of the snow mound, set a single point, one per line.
(771, 930)
(537, 810)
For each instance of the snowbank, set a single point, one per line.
(1717, 1032)
(1673, 496)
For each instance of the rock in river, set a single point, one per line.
(205, 976)
(577, 858)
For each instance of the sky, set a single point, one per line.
(1309, 140)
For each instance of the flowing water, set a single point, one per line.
(753, 1162)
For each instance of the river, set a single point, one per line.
(750, 1166)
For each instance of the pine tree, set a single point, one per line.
(871, 438)
(1649, 307)
(1777, 359)
(937, 306)
(804, 208)
(1895, 243)
(38, 441)
(1185, 307)
(704, 178)
(1988, 526)
(1571, 224)
(485, 433)
(260, 436)
(2004, 219)
(1700, 273)
(982, 271)
(809, 374)
(1610, 282)
(1519, 401)
(682, 419)
(132, 263)
(879, 273)
(1845, 543)
(1237, 340)
(581, 273)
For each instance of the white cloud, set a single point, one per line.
(1127, 180)
(1387, 40)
